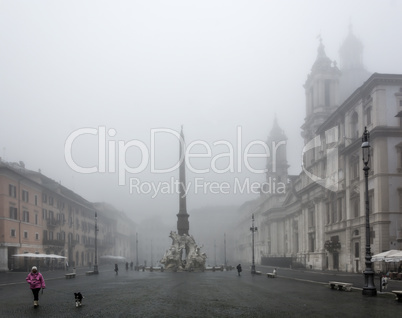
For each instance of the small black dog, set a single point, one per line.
(78, 299)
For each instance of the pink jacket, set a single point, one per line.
(35, 280)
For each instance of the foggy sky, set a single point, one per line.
(132, 66)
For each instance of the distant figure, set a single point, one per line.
(126, 266)
(238, 269)
(36, 282)
(131, 265)
(384, 283)
(66, 265)
(116, 269)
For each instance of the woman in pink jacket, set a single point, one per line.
(36, 282)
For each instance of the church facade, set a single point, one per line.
(319, 221)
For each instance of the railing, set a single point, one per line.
(53, 242)
(53, 222)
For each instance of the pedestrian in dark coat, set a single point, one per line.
(116, 269)
(36, 282)
(238, 269)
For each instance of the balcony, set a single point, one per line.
(72, 243)
(53, 223)
(53, 242)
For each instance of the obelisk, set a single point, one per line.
(182, 217)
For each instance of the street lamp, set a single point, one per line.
(136, 252)
(215, 251)
(96, 244)
(253, 229)
(224, 248)
(369, 288)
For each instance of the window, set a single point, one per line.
(25, 235)
(51, 201)
(371, 201)
(328, 213)
(44, 214)
(50, 233)
(354, 167)
(399, 156)
(368, 115)
(357, 249)
(37, 236)
(355, 206)
(12, 190)
(44, 234)
(311, 217)
(312, 242)
(44, 198)
(36, 219)
(13, 213)
(339, 207)
(60, 204)
(353, 125)
(25, 216)
(25, 196)
(400, 198)
(36, 199)
(13, 233)
(334, 210)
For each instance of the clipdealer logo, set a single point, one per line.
(331, 178)
(112, 158)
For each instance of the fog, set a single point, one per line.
(222, 69)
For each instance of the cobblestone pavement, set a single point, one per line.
(208, 294)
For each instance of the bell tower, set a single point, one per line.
(277, 164)
(322, 93)
(353, 71)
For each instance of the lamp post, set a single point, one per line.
(96, 244)
(224, 249)
(136, 251)
(215, 252)
(368, 288)
(252, 229)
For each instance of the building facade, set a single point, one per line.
(319, 222)
(39, 215)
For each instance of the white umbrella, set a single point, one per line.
(55, 256)
(29, 255)
(396, 257)
(387, 256)
(34, 255)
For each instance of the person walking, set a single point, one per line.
(36, 282)
(116, 269)
(238, 269)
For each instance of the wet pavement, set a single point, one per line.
(294, 293)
